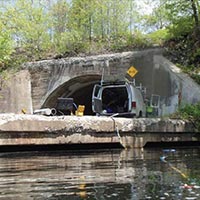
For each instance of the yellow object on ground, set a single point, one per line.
(80, 110)
(23, 111)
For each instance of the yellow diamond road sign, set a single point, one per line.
(132, 71)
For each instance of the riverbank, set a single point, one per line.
(23, 129)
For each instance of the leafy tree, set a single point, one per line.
(195, 7)
(81, 18)
(6, 45)
(158, 19)
(39, 26)
(96, 20)
(28, 25)
(133, 16)
(59, 13)
(183, 14)
(59, 31)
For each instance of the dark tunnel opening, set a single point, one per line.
(83, 96)
(79, 88)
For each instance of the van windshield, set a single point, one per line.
(115, 99)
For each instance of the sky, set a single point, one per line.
(146, 6)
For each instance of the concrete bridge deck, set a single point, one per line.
(24, 129)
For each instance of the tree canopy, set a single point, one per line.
(36, 29)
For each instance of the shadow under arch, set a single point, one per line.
(79, 88)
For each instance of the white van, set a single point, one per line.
(120, 98)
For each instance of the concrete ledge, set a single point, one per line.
(41, 130)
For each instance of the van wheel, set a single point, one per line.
(140, 114)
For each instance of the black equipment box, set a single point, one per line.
(64, 105)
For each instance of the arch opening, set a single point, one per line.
(79, 88)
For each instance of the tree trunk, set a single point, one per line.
(196, 32)
(195, 13)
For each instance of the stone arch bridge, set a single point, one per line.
(76, 76)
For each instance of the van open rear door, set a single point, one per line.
(96, 99)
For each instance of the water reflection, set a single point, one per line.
(109, 174)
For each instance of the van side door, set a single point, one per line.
(97, 99)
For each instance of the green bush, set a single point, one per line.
(129, 41)
(138, 39)
(182, 26)
(191, 113)
(69, 42)
(159, 36)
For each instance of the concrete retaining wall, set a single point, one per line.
(181, 89)
(15, 93)
(135, 133)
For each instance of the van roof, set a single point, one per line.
(113, 83)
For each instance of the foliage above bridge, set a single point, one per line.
(37, 29)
